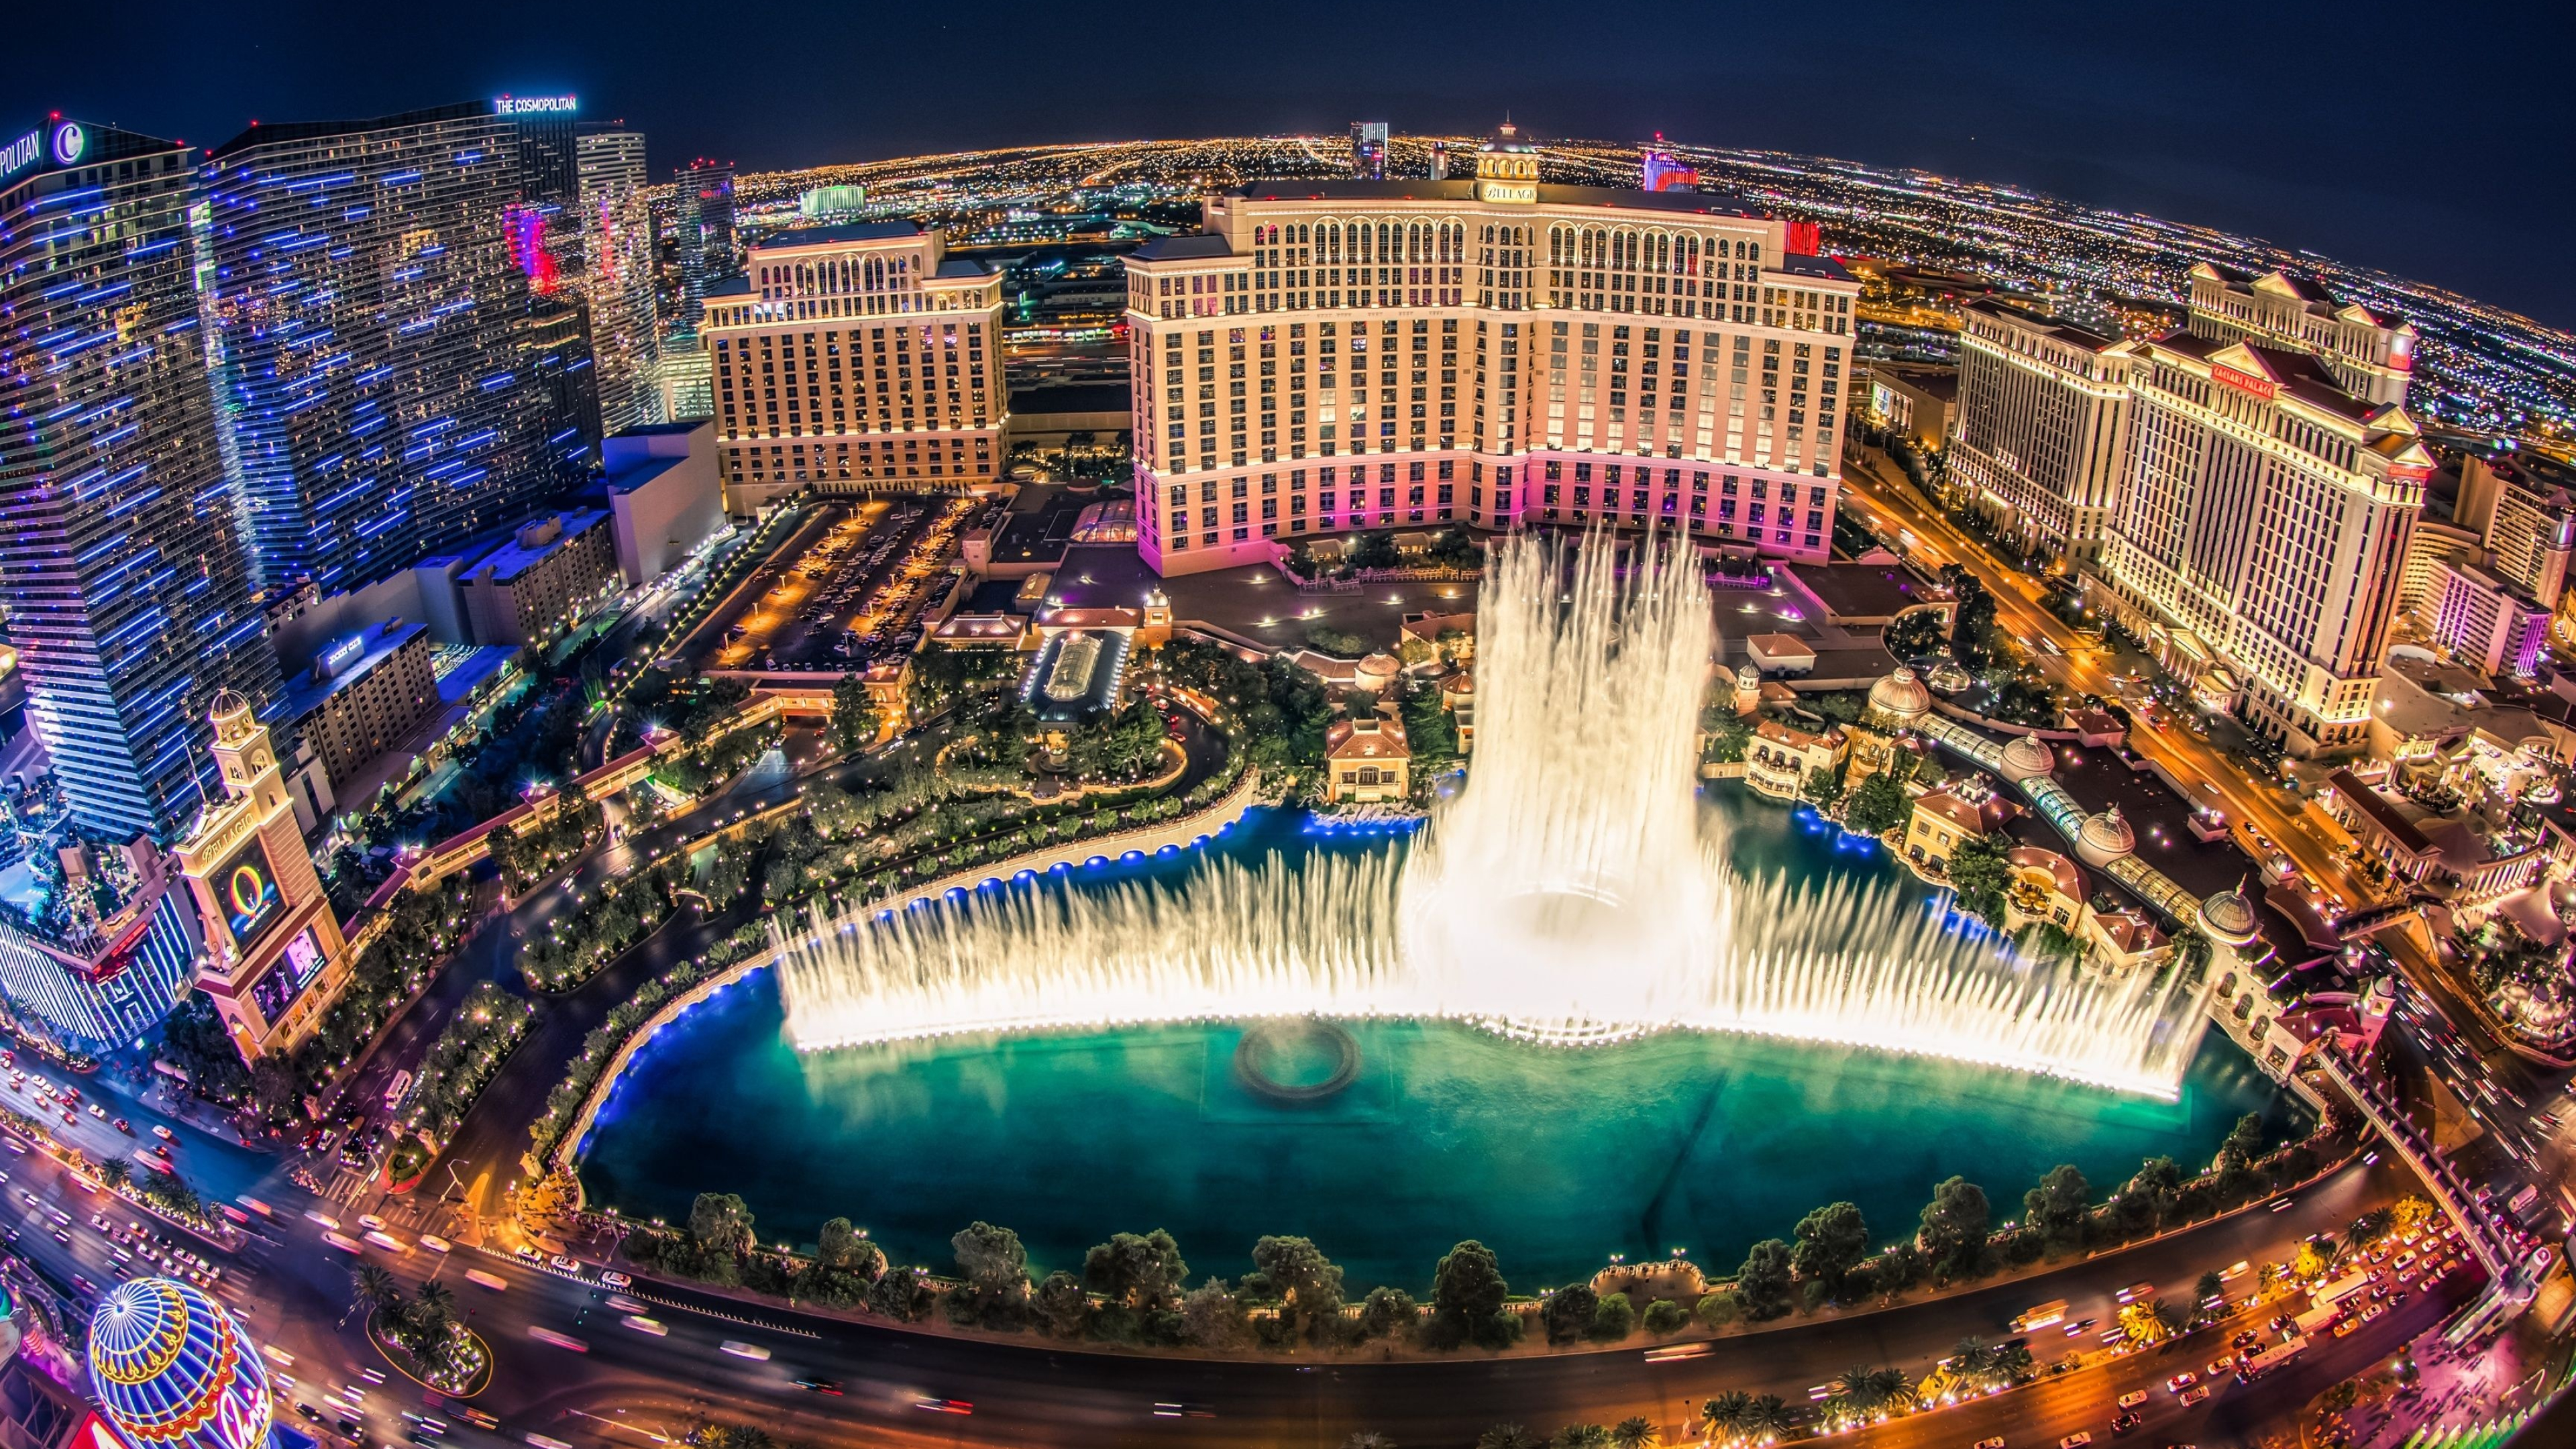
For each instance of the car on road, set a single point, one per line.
(2077, 1440)
(2133, 1398)
(820, 1386)
(123, 1126)
(2183, 1380)
(371, 1222)
(740, 1349)
(162, 1132)
(2079, 1325)
(2195, 1396)
(1995, 1441)
(562, 1264)
(343, 1242)
(944, 1406)
(616, 1279)
(2136, 1291)
(2125, 1423)
(436, 1244)
(474, 1416)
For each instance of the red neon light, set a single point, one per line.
(1805, 238)
(2245, 382)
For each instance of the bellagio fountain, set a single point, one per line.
(1589, 1008)
(1574, 891)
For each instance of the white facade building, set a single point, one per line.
(1332, 355)
(849, 356)
(2042, 429)
(2264, 530)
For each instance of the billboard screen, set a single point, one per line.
(295, 969)
(246, 892)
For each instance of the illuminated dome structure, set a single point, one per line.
(2026, 758)
(2104, 838)
(2229, 916)
(172, 1368)
(1901, 696)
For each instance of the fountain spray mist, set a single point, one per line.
(1573, 891)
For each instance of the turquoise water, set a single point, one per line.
(1555, 1157)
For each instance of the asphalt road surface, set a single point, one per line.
(630, 1385)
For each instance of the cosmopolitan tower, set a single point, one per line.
(121, 555)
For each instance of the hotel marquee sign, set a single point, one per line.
(536, 105)
(62, 142)
(2245, 382)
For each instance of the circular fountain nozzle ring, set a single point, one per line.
(1271, 1045)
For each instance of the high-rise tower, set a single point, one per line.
(121, 557)
(399, 353)
(625, 320)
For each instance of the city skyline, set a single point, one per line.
(2077, 106)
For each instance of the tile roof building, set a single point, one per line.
(1367, 761)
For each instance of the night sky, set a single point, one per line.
(2429, 139)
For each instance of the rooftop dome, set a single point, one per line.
(1377, 672)
(2104, 838)
(1948, 677)
(172, 1368)
(2025, 758)
(1747, 677)
(2228, 916)
(227, 702)
(1902, 695)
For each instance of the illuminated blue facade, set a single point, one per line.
(399, 357)
(127, 589)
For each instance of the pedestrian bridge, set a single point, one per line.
(2049, 799)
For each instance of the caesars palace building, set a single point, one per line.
(1330, 355)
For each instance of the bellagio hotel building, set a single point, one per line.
(848, 358)
(1333, 355)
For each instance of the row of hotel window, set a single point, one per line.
(1762, 512)
(861, 459)
(1329, 242)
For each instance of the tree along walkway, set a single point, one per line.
(2059, 809)
(1131, 844)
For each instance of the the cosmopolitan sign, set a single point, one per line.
(69, 142)
(536, 106)
(22, 153)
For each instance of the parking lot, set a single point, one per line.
(854, 594)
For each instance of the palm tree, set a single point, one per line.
(1368, 1439)
(1508, 1436)
(1768, 1418)
(1726, 1413)
(1890, 1388)
(1857, 1388)
(433, 1309)
(1581, 1436)
(1634, 1433)
(1973, 1358)
(2012, 1361)
(752, 1437)
(372, 1286)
